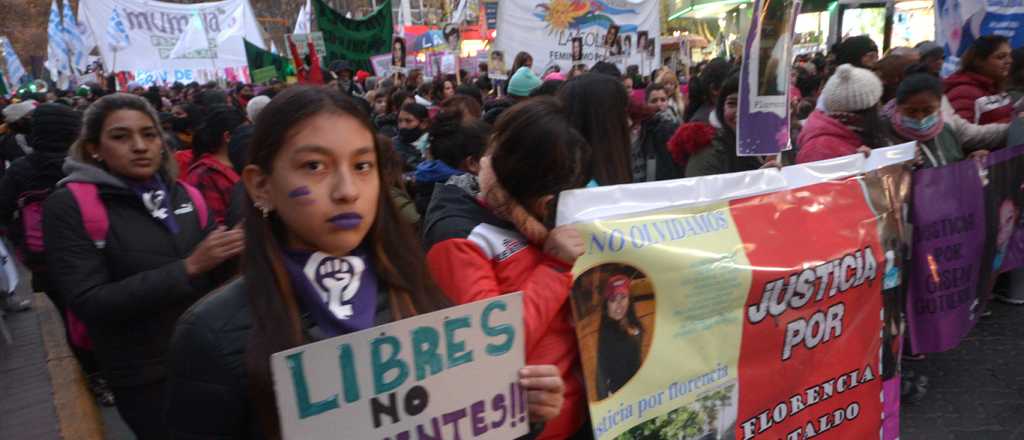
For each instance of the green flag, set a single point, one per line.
(355, 41)
(3, 84)
(261, 59)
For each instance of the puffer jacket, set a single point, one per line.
(965, 89)
(130, 293)
(720, 157)
(492, 259)
(825, 138)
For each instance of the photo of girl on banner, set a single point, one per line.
(1004, 197)
(577, 49)
(612, 36)
(398, 54)
(615, 315)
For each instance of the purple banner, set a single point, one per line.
(762, 124)
(949, 235)
(1005, 195)
(968, 230)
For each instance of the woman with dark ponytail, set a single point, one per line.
(318, 192)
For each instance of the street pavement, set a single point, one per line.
(976, 391)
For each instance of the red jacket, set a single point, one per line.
(965, 89)
(825, 138)
(473, 255)
(214, 180)
(306, 74)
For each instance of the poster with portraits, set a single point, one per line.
(700, 315)
(571, 32)
(762, 124)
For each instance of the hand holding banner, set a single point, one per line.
(716, 315)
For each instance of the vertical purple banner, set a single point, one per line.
(1004, 194)
(949, 242)
(762, 124)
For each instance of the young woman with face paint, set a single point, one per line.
(319, 196)
(154, 262)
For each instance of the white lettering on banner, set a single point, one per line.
(154, 28)
(836, 276)
(812, 396)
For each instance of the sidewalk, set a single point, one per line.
(27, 409)
(975, 392)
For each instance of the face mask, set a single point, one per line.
(920, 125)
(409, 135)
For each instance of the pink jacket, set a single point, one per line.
(825, 138)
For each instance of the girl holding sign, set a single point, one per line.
(321, 227)
(500, 243)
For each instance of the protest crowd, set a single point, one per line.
(174, 225)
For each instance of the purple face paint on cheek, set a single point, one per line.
(301, 193)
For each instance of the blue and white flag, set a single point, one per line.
(77, 54)
(88, 38)
(117, 36)
(16, 74)
(56, 50)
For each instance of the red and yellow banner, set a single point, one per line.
(764, 316)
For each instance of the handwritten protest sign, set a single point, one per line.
(445, 375)
(759, 305)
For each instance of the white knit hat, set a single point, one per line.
(851, 89)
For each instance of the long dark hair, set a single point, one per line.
(393, 248)
(729, 87)
(982, 48)
(536, 152)
(597, 107)
(703, 87)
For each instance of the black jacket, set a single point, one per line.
(207, 392)
(130, 293)
(12, 146)
(720, 157)
(37, 171)
(207, 389)
(656, 163)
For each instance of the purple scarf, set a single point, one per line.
(155, 198)
(339, 293)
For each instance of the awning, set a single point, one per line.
(705, 8)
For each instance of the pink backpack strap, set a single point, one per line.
(200, 203)
(94, 214)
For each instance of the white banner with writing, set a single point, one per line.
(138, 36)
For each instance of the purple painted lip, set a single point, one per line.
(346, 221)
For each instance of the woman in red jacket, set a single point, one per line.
(850, 119)
(484, 247)
(976, 90)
